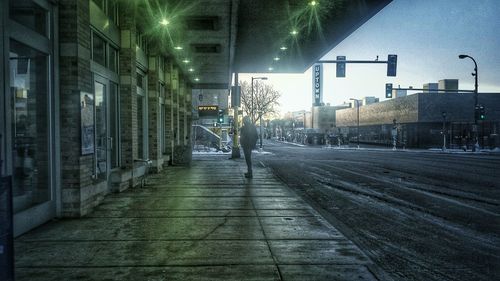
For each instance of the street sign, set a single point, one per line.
(341, 66)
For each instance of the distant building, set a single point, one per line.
(398, 93)
(449, 85)
(369, 100)
(324, 117)
(419, 120)
(431, 88)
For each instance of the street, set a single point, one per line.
(418, 215)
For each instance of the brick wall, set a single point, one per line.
(75, 77)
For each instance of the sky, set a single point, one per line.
(427, 36)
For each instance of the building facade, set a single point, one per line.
(89, 99)
(420, 120)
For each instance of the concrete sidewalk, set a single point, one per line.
(204, 222)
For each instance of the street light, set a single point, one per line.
(357, 106)
(255, 78)
(253, 117)
(444, 130)
(474, 129)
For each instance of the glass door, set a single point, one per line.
(102, 152)
(106, 126)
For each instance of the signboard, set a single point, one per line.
(208, 111)
(235, 96)
(317, 84)
(87, 122)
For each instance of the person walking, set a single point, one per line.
(248, 140)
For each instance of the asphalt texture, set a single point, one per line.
(418, 215)
(204, 222)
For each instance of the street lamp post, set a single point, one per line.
(444, 130)
(260, 112)
(474, 129)
(357, 129)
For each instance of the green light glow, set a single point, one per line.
(164, 22)
(294, 32)
(191, 69)
(276, 58)
(186, 61)
(313, 3)
(196, 79)
(283, 48)
(178, 48)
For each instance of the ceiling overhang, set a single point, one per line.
(265, 26)
(210, 39)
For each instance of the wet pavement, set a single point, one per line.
(204, 222)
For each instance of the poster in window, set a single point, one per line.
(87, 114)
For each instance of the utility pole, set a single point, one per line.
(357, 129)
(235, 151)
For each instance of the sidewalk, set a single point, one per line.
(204, 222)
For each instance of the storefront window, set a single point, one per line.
(98, 49)
(140, 126)
(29, 89)
(30, 15)
(113, 59)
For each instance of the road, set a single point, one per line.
(418, 215)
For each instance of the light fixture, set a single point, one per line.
(186, 61)
(178, 47)
(313, 3)
(164, 22)
(196, 79)
(276, 58)
(294, 32)
(283, 48)
(270, 68)
(191, 69)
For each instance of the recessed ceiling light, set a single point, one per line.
(191, 69)
(196, 79)
(294, 32)
(178, 47)
(313, 3)
(186, 61)
(283, 48)
(164, 22)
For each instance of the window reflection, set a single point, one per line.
(98, 49)
(30, 15)
(29, 88)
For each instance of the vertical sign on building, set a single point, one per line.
(317, 85)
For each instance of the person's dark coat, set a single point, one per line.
(249, 136)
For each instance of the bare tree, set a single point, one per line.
(265, 99)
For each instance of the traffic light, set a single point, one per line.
(388, 90)
(482, 114)
(220, 116)
(392, 62)
(340, 66)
